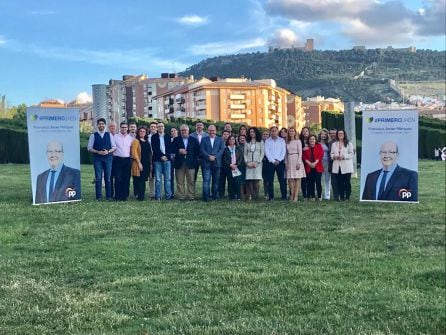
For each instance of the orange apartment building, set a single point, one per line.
(257, 103)
(313, 108)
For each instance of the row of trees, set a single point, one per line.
(14, 138)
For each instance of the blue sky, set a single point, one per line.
(57, 49)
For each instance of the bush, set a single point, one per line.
(13, 146)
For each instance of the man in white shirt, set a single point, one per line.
(122, 162)
(275, 150)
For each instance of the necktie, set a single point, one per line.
(382, 185)
(50, 192)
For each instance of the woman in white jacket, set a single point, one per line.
(254, 150)
(342, 156)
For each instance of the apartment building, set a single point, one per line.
(313, 108)
(132, 96)
(257, 103)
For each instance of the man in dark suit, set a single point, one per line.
(59, 182)
(199, 134)
(186, 150)
(392, 182)
(162, 149)
(211, 151)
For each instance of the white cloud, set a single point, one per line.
(305, 10)
(284, 38)
(224, 48)
(362, 34)
(193, 20)
(83, 98)
(2, 40)
(366, 21)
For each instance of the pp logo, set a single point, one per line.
(404, 194)
(370, 119)
(70, 192)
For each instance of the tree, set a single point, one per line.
(20, 112)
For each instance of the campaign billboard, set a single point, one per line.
(389, 160)
(54, 154)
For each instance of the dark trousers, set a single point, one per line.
(234, 184)
(334, 186)
(172, 176)
(224, 176)
(314, 180)
(265, 176)
(303, 187)
(344, 185)
(279, 169)
(122, 177)
(197, 168)
(112, 179)
(139, 186)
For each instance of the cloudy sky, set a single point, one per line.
(59, 48)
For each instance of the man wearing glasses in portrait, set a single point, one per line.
(392, 182)
(59, 182)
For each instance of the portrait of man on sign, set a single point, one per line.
(59, 182)
(392, 182)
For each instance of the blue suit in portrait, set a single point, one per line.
(401, 179)
(69, 178)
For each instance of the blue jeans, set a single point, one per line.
(102, 167)
(208, 173)
(162, 168)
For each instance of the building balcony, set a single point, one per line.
(272, 107)
(200, 107)
(237, 97)
(200, 97)
(237, 116)
(237, 106)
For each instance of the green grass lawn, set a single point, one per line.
(221, 267)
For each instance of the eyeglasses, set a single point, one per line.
(388, 152)
(52, 152)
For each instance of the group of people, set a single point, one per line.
(440, 154)
(233, 162)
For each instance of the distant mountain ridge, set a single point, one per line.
(360, 75)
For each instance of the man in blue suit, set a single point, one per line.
(392, 182)
(59, 182)
(211, 150)
(186, 150)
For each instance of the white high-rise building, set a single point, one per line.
(99, 92)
